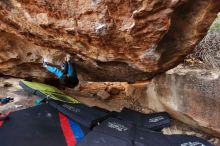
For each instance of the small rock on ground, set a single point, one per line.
(103, 95)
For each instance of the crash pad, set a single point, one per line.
(100, 139)
(87, 116)
(117, 128)
(83, 114)
(40, 126)
(46, 91)
(111, 132)
(118, 133)
(154, 121)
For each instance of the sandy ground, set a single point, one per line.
(10, 87)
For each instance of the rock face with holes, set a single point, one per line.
(110, 40)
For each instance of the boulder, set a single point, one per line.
(118, 40)
(190, 95)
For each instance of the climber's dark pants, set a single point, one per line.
(69, 81)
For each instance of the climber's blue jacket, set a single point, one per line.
(55, 71)
(59, 73)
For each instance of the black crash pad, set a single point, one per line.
(117, 128)
(35, 126)
(155, 121)
(186, 140)
(145, 137)
(101, 139)
(82, 114)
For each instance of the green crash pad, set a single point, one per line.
(46, 91)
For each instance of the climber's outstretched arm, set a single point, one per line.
(55, 71)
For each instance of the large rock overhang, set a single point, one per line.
(109, 40)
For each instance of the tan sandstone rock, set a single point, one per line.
(110, 40)
(103, 95)
(189, 95)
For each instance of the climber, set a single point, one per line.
(67, 74)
